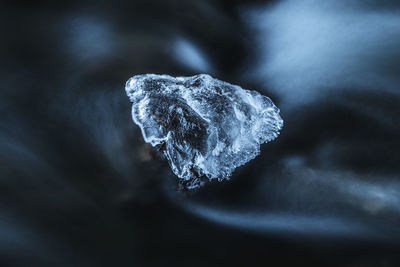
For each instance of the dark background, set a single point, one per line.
(79, 187)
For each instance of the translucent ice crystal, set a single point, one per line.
(205, 127)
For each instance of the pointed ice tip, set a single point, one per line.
(133, 86)
(130, 83)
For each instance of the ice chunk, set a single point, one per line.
(205, 127)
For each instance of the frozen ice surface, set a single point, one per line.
(205, 127)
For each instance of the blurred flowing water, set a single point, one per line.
(79, 187)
